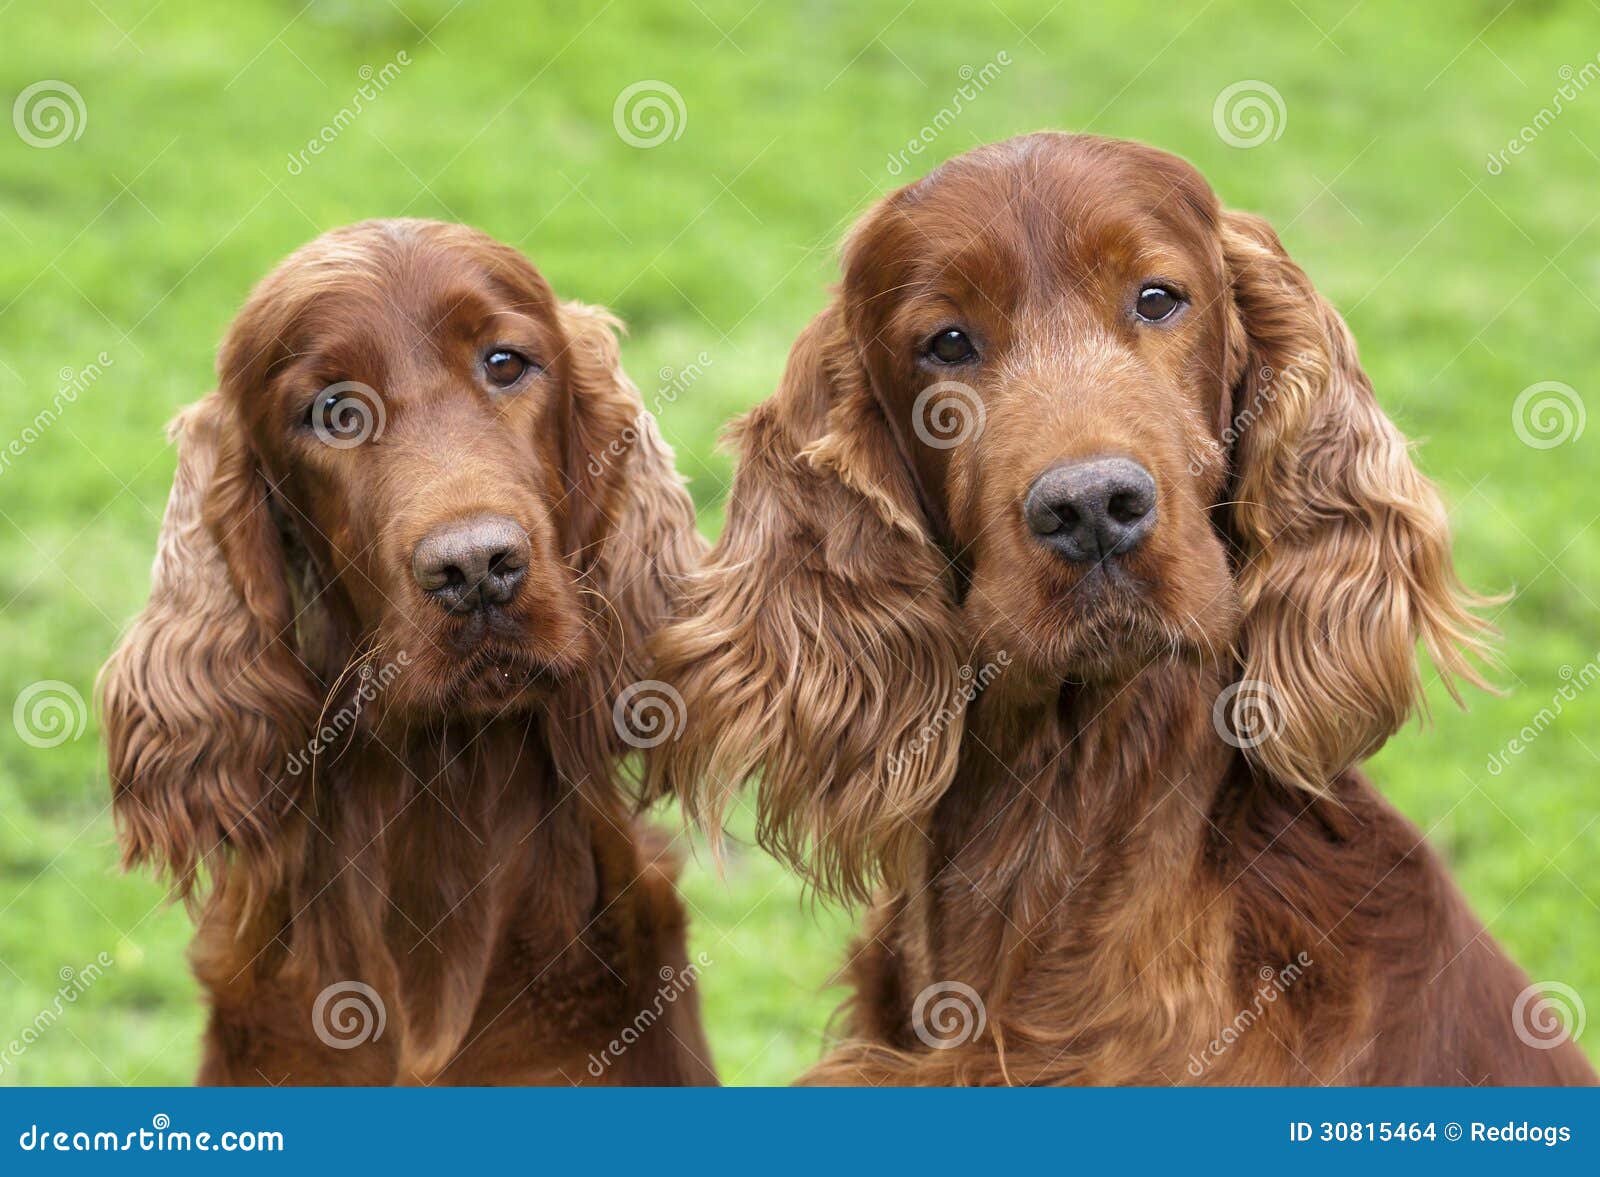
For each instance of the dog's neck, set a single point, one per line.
(420, 850)
(1070, 804)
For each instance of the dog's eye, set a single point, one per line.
(951, 347)
(505, 367)
(1156, 303)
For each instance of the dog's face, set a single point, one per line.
(1069, 417)
(425, 491)
(1052, 324)
(408, 394)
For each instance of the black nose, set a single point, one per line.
(1094, 509)
(472, 563)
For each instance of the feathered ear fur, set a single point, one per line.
(632, 535)
(819, 641)
(1345, 546)
(205, 698)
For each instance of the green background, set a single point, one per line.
(140, 236)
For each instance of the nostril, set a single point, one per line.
(1127, 506)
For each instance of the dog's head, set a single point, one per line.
(424, 490)
(1068, 413)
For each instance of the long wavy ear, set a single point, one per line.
(1345, 546)
(819, 642)
(204, 698)
(633, 534)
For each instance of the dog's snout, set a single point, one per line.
(1094, 509)
(472, 563)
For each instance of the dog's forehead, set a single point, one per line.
(1065, 199)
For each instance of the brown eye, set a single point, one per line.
(951, 347)
(1156, 303)
(505, 367)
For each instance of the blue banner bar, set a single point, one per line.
(803, 1132)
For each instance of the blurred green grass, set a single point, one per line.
(139, 237)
